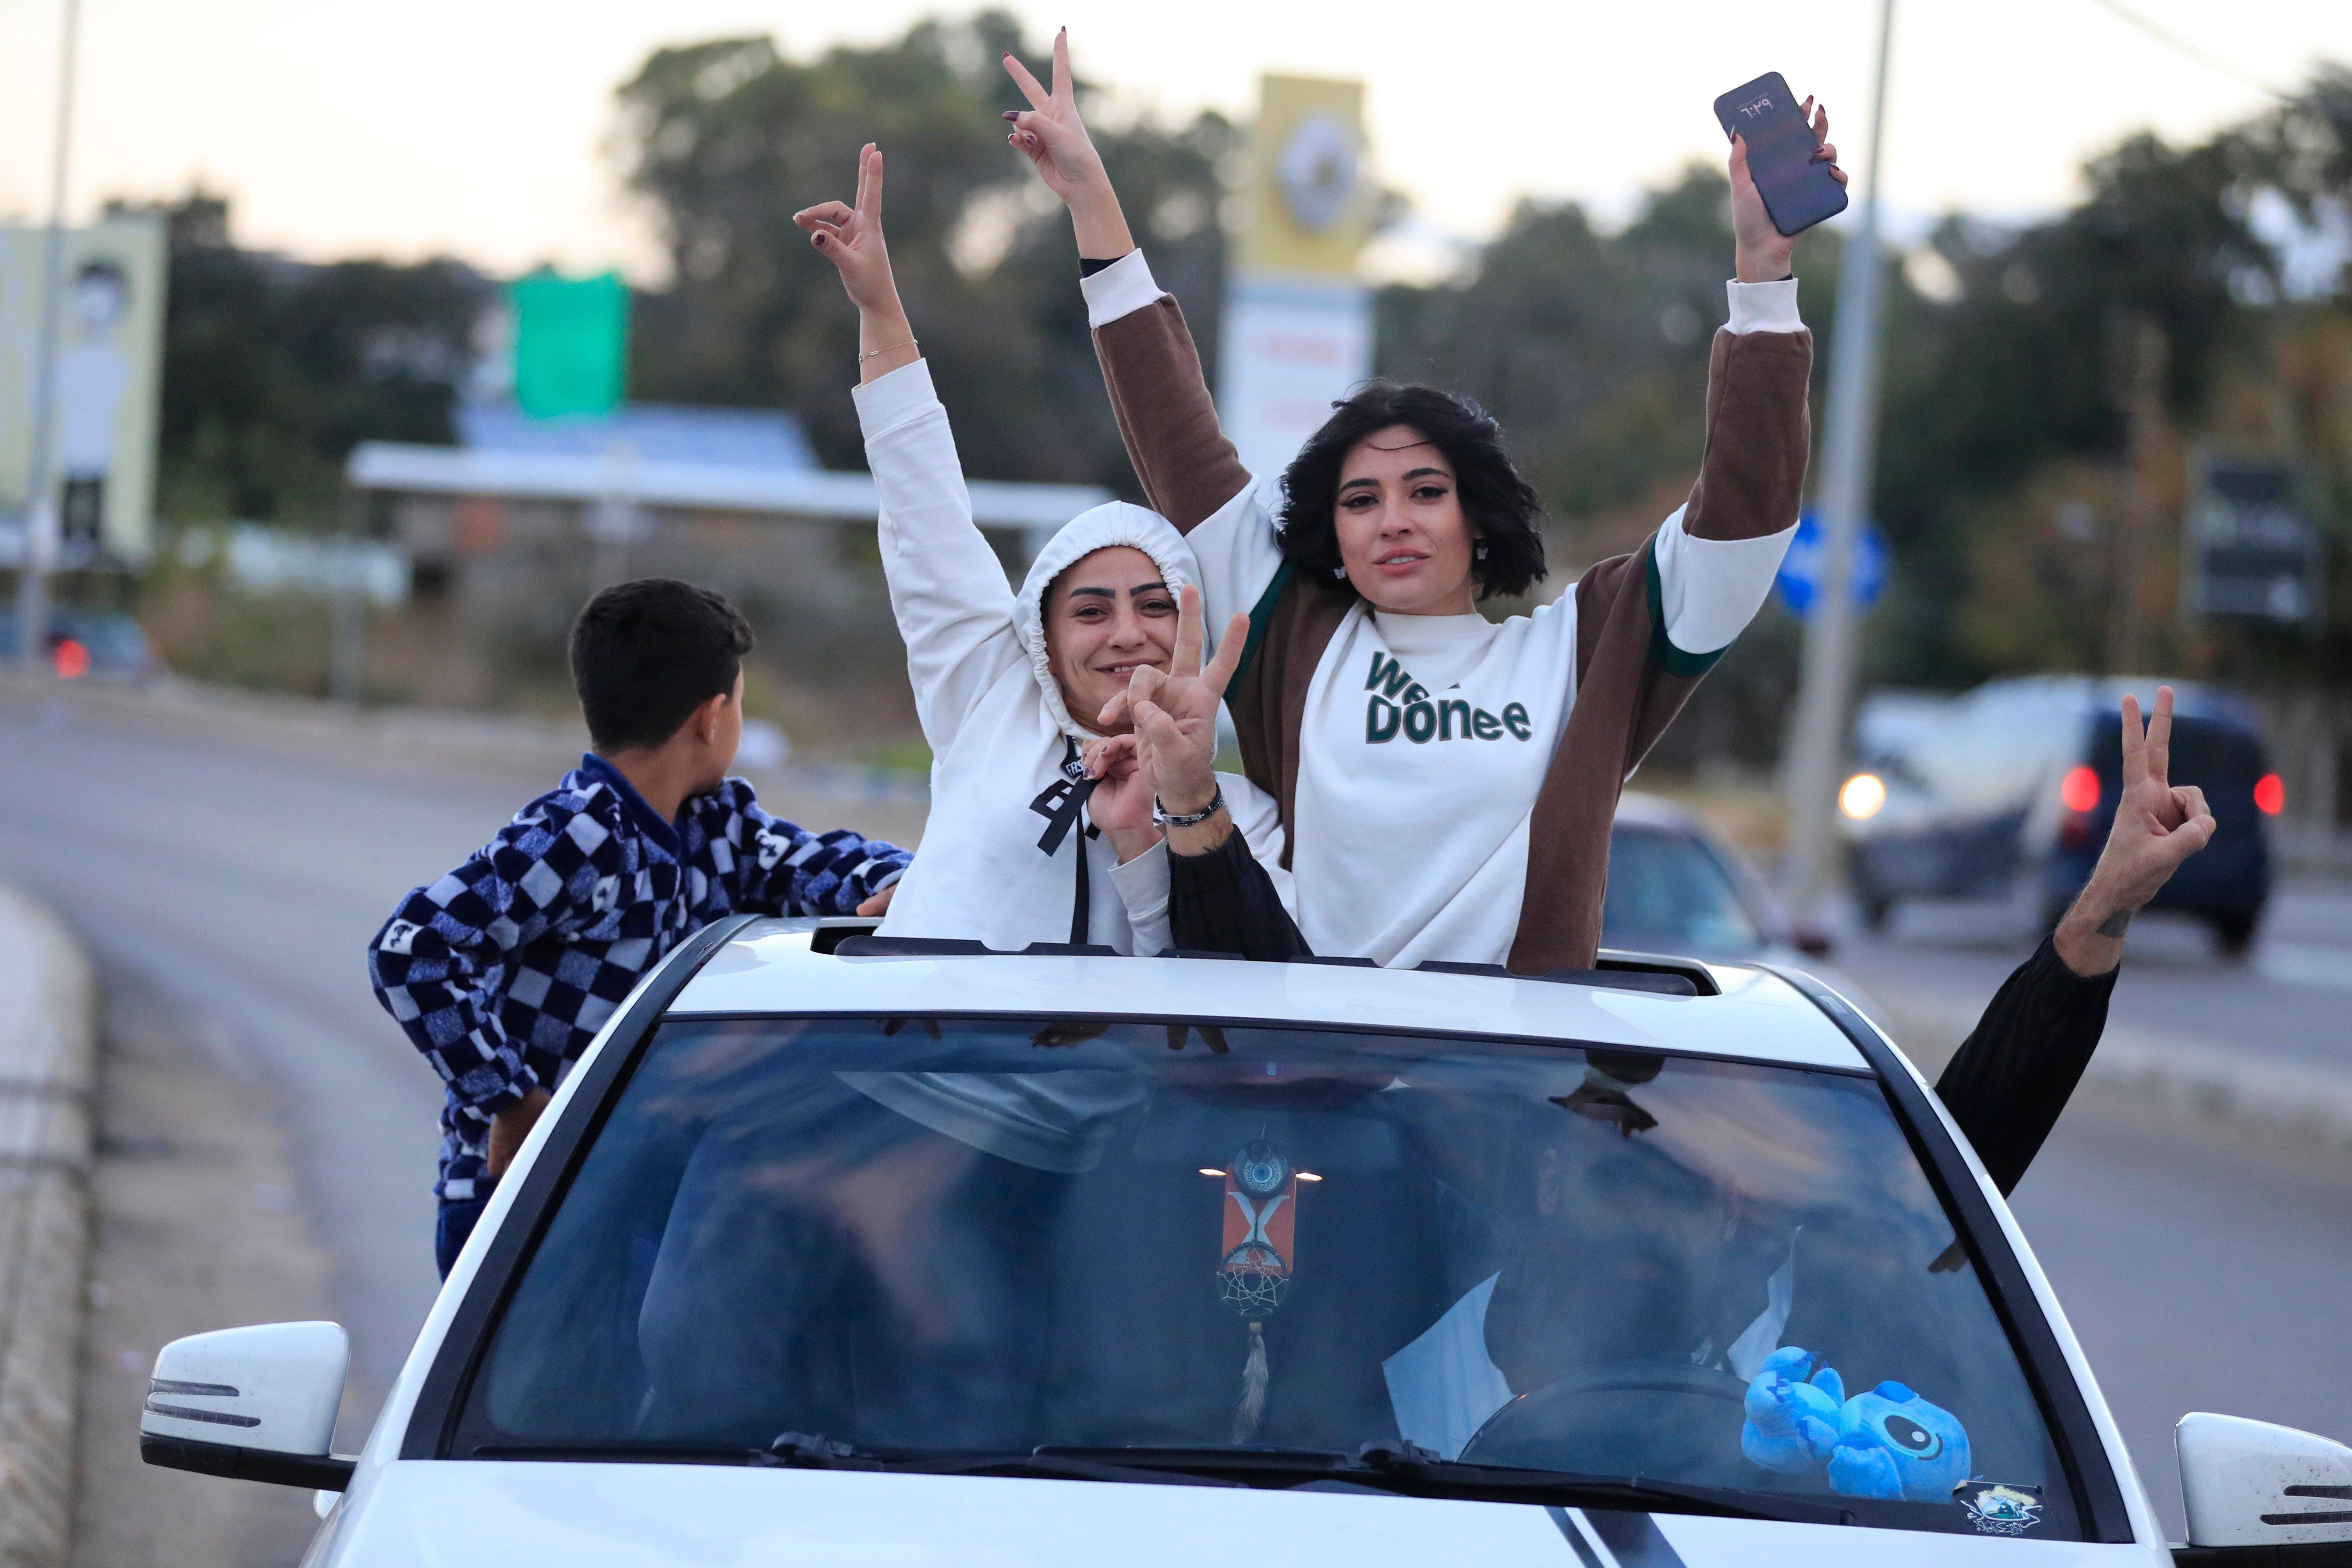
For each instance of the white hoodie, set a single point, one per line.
(1000, 733)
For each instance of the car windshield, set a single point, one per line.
(1668, 893)
(934, 1233)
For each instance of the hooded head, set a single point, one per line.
(1115, 525)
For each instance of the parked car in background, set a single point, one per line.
(2007, 793)
(841, 1249)
(1678, 886)
(108, 643)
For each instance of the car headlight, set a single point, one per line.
(1862, 796)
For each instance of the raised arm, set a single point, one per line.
(851, 239)
(1718, 557)
(1150, 366)
(948, 590)
(1707, 571)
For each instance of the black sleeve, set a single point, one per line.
(2016, 1071)
(1224, 902)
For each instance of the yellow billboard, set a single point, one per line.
(1309, 210)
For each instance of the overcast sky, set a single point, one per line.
(481, 128)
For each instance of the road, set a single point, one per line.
(2203, 1269)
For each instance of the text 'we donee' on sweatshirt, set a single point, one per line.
(1447, 784)
(1004, 748)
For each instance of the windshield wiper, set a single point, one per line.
(1420, 1473)
(1400, 1468)
(806, 1451)
(1413, 1471)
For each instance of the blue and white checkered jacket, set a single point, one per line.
(504, 970)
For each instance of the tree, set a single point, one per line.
(273, 370)
(2025, 374)
(728, 139)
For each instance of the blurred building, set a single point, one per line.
(509, 531)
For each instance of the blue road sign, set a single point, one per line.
(1800, 569)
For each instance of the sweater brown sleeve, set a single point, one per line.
(1630, 680)
(1166, 416)
(1760, 430)
(1751, 477)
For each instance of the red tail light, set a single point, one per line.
(2270, 794)
(72, 660)
(2080, 790)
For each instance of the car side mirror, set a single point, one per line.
(1810, 939)
(2249, 1483)
(256, 1404)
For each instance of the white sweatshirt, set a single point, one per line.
(1425, 738)
(992, 710)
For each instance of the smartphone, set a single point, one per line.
(1798, 192)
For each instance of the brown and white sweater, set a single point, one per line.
(1448, 784)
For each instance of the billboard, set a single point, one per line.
(1297, 330)
(2253, 548)
(571, 344)
(106, 384)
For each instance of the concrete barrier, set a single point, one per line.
(47, 1057)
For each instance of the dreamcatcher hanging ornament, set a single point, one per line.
(1258, 1261)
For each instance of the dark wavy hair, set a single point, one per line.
(1498, 503)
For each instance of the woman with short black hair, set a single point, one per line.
(1447, 783)
(1501, 507)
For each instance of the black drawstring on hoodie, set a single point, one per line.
(1060, 803)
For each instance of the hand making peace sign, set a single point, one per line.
(1054, 139)
(1175, 714)
(851, 237)
(2157, 826)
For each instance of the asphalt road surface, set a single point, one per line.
(2203, 1267)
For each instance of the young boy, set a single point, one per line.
(504, 970)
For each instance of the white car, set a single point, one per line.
(844, 1250)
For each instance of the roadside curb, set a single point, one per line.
(47, 1050)
(2274, 1095)
(2289, 1097)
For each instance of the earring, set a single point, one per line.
(1338, 573)
(1481, 551)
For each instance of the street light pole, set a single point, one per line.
(1816, 741)
(41, 503)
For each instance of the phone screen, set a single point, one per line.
(1798, 191)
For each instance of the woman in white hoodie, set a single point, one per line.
(1041, 828)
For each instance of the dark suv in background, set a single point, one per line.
(2008, 792)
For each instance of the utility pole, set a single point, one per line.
(1817, 743)
(2143, 351)
(40, 502)
(347, 661)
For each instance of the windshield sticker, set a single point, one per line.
(1996, 1508)
(1254, 1277)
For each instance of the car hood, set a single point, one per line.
(456, 1514)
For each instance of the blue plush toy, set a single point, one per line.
(1888, 1443)
(1792, 1412)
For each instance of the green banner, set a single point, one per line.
(572, 343)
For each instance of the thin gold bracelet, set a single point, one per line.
(894, 348)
